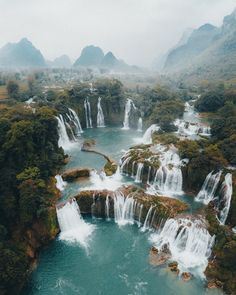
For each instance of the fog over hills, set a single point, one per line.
(21, 54)
(209, 50)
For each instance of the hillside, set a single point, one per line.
(210, 52)
(21, 54)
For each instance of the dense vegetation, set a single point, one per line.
(29, 156)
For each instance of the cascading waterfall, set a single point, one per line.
(140, 124)
(140, 214)
(107, 207)
(189, 242)
(149, 172)
(124, 209)
(87, 109)
(74, 117)
(124, 164)
(147, 222)
(191, 129)
(128, 107)
(225, 196)
(147, 137)
(69, 124)
(100, 116)
(73, 227)
(100, 181)
(207, 192)
(64, 140)
(138, 177)
(60, 183)
(168, 178)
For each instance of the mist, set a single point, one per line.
(137, 31)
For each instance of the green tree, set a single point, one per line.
(13, 89)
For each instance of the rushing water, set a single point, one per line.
(100, 116)
(116, 263)
(94, 256)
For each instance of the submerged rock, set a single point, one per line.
(157, 257)
(186, 276)
(173, 266)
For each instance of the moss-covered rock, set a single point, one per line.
(110, 168)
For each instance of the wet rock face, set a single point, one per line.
(73, 174)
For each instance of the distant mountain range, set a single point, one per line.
(21, 54)
(24, 55)
(208, 52)
(92, 56)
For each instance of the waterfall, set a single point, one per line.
(147, 137)
(68, 124)
(189, 242)
(100, 181)
(73, 227)
(124, 209)
(107, 204)
(140, 214)
(60, 183)
(124, 164)
(100, 116)
(87, 109)
(168, 178)
(209, 187)
(147, 222)
(140, 124)
(64, 140)
(138, 178)
(149, 172)
(133, 166)
(225, 196)
(128, 106)
(74, 117)
(191, 129)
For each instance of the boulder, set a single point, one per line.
(186, 276)
(173, 266)
(73, 174)
(159, 257)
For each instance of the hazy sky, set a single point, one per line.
(134, 30)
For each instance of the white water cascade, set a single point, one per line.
(189, 242)
(69, 123)
(147, 137)
(207, 192)
(107, 204)
(168, 178)
(73, 227)
(75, 119)
(64, 140)
(124, 209)
(100, 116)
(138, 177)
(87, 109)
(225, 196)
(60, 183)
(100, 181)
(147, 222)
(128, 106)
(140, 124)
